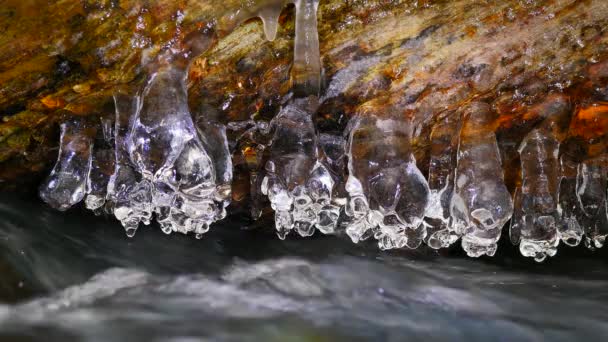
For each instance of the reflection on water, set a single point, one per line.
(77, 277)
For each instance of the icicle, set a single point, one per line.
(270, 19)
(387, 193)
(298, 182)
(190, 175)
(66, 184)
(306, 69)
(535, 221)
(102, 166)
(444, 143)
(215, 142)
(583, 188)
(267, 10)
(129, 195)
(591, 195)
(298, 185)
(481, 203)
(570, 231)
(162, 125)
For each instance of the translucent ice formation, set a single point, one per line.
(570, 230)
(306, 69)
(582, 195)
(481, 203)
(536, 218)
(102, 167)
(388, 195)
(297, 183)
(591, 195)
(178, 174)
(444, 143)
(128, 194)
(66, 184)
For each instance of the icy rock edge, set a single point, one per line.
(152, 161)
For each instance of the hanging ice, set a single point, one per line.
(536, 218)
(129, 195)
(215, 142)
(297, 183)
(481, 203)
(591, 195)
(66, 184)
(569, 229)
(102, 166)
(306, 69)
(582, 194)
(444, 143)
(165, 147)
(388, 195)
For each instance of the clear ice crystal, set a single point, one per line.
(591, 195)
(129, 194)
(444, 143)
(535, 218)
(570, 231)
(97, 183)
(102, 166)
(162, 124)
(306, 69)
(186, 168)
(66, 185)
(162, 164)
(481, 203)
(388, 195)
(298, 184)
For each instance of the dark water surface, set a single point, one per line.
(77, 277)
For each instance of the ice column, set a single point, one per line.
(591, 195)
(388, 194)
(102, 167)
(582, 194)
(570, 230)
(444, 143)
(66, 184)
(535, 221)
(129, 195)
(481, 203)
(306, 69)
(298, 183)
(165, 147)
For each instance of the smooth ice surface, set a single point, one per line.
(444, 143)
(306, 69)
(481, 203)
(535, 218)
(79, 280)
(297, 181)
(591, 195)
(102, 167)
(388, 195)
(187, 169)
(66, 184)
(128, 194)
(570, 231)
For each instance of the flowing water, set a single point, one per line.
(73, 276)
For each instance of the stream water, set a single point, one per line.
(73, 276)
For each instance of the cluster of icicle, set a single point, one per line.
(156, 162)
